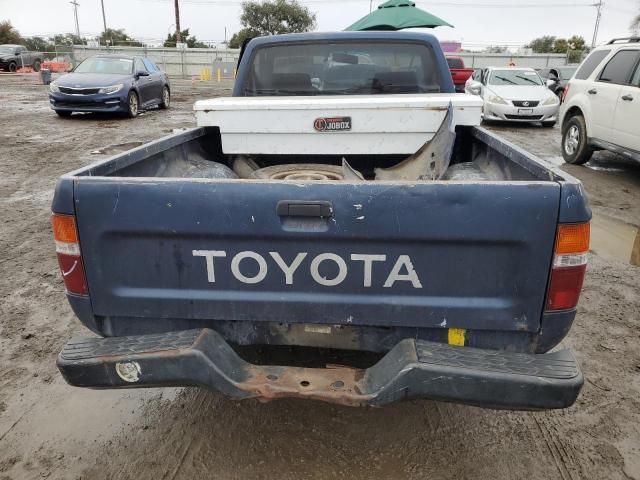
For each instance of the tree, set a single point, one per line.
(551, 44)
(190, 40)
(495, 49)
(577, 42)
(36, 44)
(238, 38)
(560, 45)
(274, 18)
(542, 44)
(118, 36)
(8, 34)
(67, 39)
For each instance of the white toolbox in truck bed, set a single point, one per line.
(333, 125)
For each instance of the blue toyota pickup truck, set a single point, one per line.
(340, 229)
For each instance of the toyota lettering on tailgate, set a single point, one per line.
(393, 270)
(333, 124)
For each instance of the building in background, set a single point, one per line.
(451, 46)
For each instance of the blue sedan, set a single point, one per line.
(109, 83)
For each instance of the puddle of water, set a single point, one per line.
(113, 149)
(613, 239)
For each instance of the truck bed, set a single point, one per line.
(162, 252)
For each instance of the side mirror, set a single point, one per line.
(551, 82)
(142, 73)
(474, 88)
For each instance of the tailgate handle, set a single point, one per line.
(302, 208)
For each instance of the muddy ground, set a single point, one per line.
(51, 430)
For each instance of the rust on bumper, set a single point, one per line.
(334, 385)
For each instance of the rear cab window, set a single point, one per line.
(455, 62)
(590, 64)
(620, 68)
(343, 68)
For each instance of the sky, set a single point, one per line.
(477, 23)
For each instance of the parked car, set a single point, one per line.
(557, 78)
(110, 83)
(13, 57)
(339, 239)
(459, 73)
(601, 109)
(514, 95)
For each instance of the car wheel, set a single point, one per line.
(36, 66)
(133, 104)
(549, 124)
(166, 98)
(63, 113)
(13, 66)
(575, 148)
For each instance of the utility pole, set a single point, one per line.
(104, 20)
(75, 15)
(177, 7)
(370, 5)
(595, 29)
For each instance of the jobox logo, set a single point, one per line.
(334, 124)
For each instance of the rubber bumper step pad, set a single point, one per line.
(412, 369)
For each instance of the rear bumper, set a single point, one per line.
(412, 369)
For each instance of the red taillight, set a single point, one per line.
(569, 266)
(565, 92)
(565, 287)
(65, 235)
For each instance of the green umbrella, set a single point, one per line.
(396, 15)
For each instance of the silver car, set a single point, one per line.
(514, 95)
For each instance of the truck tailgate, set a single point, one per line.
(430, 255)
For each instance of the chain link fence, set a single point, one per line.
(203, 63)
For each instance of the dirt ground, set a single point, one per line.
(51, 430)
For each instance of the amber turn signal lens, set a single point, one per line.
(572, 238)
(64, 228)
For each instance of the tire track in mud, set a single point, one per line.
(564, 462)
(190, 450)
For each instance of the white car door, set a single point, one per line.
(627, 117)
(604, 93)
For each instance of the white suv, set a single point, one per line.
(601, 108)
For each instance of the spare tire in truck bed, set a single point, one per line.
(301, 171)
